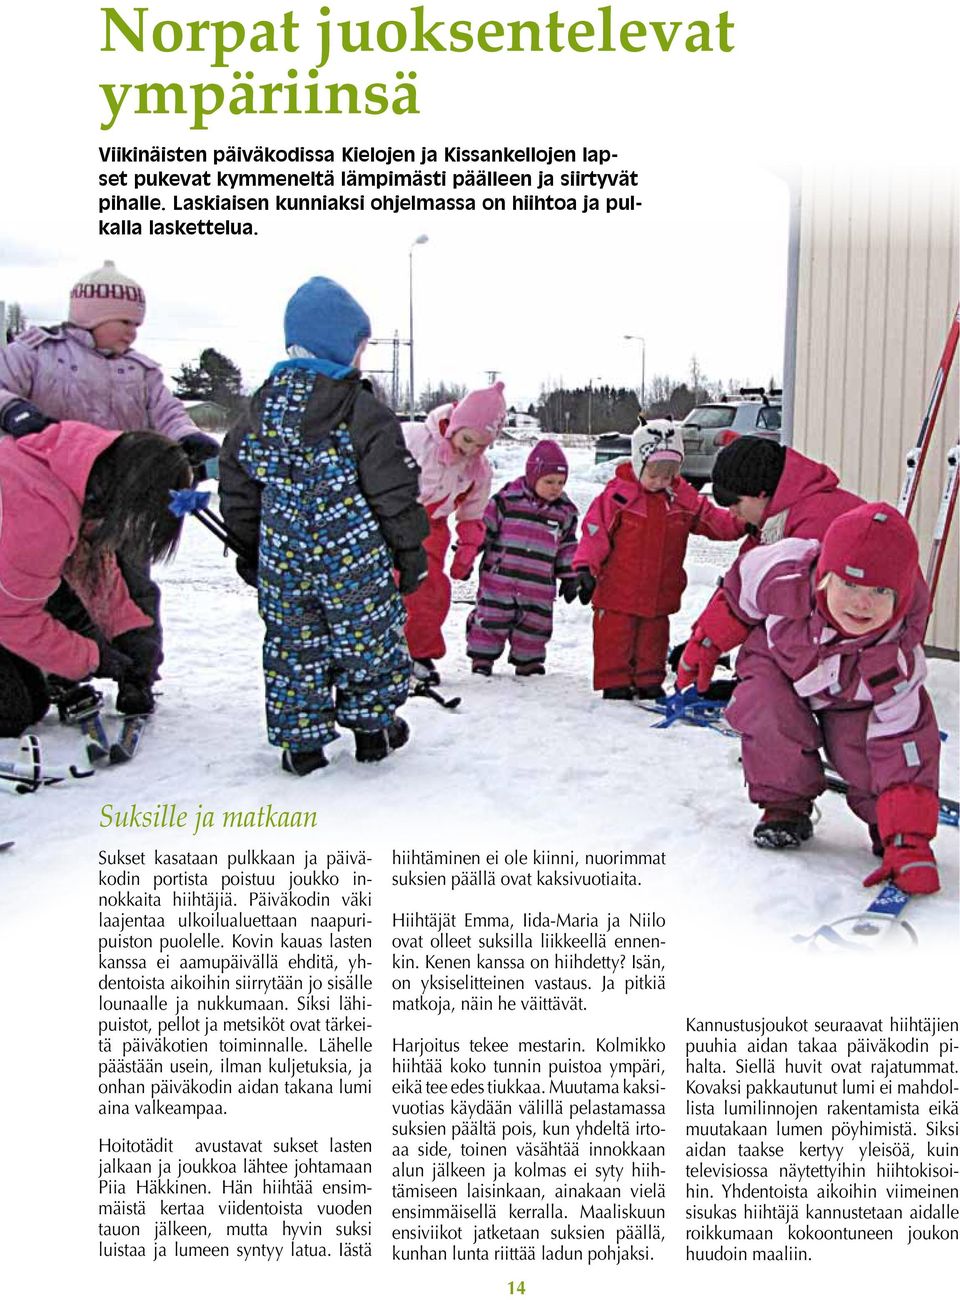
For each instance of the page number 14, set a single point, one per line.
(517, 1288)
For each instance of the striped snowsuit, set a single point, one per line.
(529, 545)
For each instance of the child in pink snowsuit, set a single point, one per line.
(455, 479)
(833, 659)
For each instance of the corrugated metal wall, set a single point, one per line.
(876, 293)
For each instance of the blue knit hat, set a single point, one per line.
(323, 318)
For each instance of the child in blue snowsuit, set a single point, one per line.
(320, 487)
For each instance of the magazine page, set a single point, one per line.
(479, 749)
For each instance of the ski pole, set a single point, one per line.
(941, 529)
(918, 453)
(189, 501)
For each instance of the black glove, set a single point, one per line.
(113, 662)
(582, 584)
(134, 696)
(247, 570)
(200, 448)
(22, 417)
(411, 569)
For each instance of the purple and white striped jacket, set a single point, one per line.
(529, 544)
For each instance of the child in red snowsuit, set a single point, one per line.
(630, 561)
(455, 479)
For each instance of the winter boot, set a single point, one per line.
(398, 733)
(482, 667)
(648, 692)
(619, 692)
(876, 843)
(425, 672)
(374, 746)
(529, 670)
(301, 762)
(74, 700)
(135, 697)
(784, 826)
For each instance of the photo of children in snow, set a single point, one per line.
(341, 518)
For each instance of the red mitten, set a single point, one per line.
(907, 818)
(717, 630)
(463, 558)
(698, 664)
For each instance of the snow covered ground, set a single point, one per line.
(542, 762)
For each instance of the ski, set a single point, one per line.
(425, 691)
(28, 776)
(918, 453)
(6, 844)
(98, 742)
(878, 920)
(125, 747)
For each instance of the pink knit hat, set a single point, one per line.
(546, 458)
(482, 411)
(106, 295)
(873, 546)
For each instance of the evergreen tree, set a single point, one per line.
(215, 378)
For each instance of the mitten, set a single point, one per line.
(22, 417)
(411, 569)
(200, 448)
(463, 558)
(907, 818)
(717, 631)
(584, 585)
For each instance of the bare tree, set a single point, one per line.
(440, 393)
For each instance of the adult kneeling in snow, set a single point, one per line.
(72, 496)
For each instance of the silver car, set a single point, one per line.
(712, 426)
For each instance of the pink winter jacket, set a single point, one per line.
(807, 500)
(773, 589)
(64, 375)
(449, 482)
(43, 478)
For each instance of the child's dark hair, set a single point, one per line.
(128, 496)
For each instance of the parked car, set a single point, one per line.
(611, 446)
(714, 425)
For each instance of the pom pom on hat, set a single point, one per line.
(106, 295)
(873, 546)
(546, 458)
(655, 440)
(483, 411)
(747, 467)
(326, 320)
